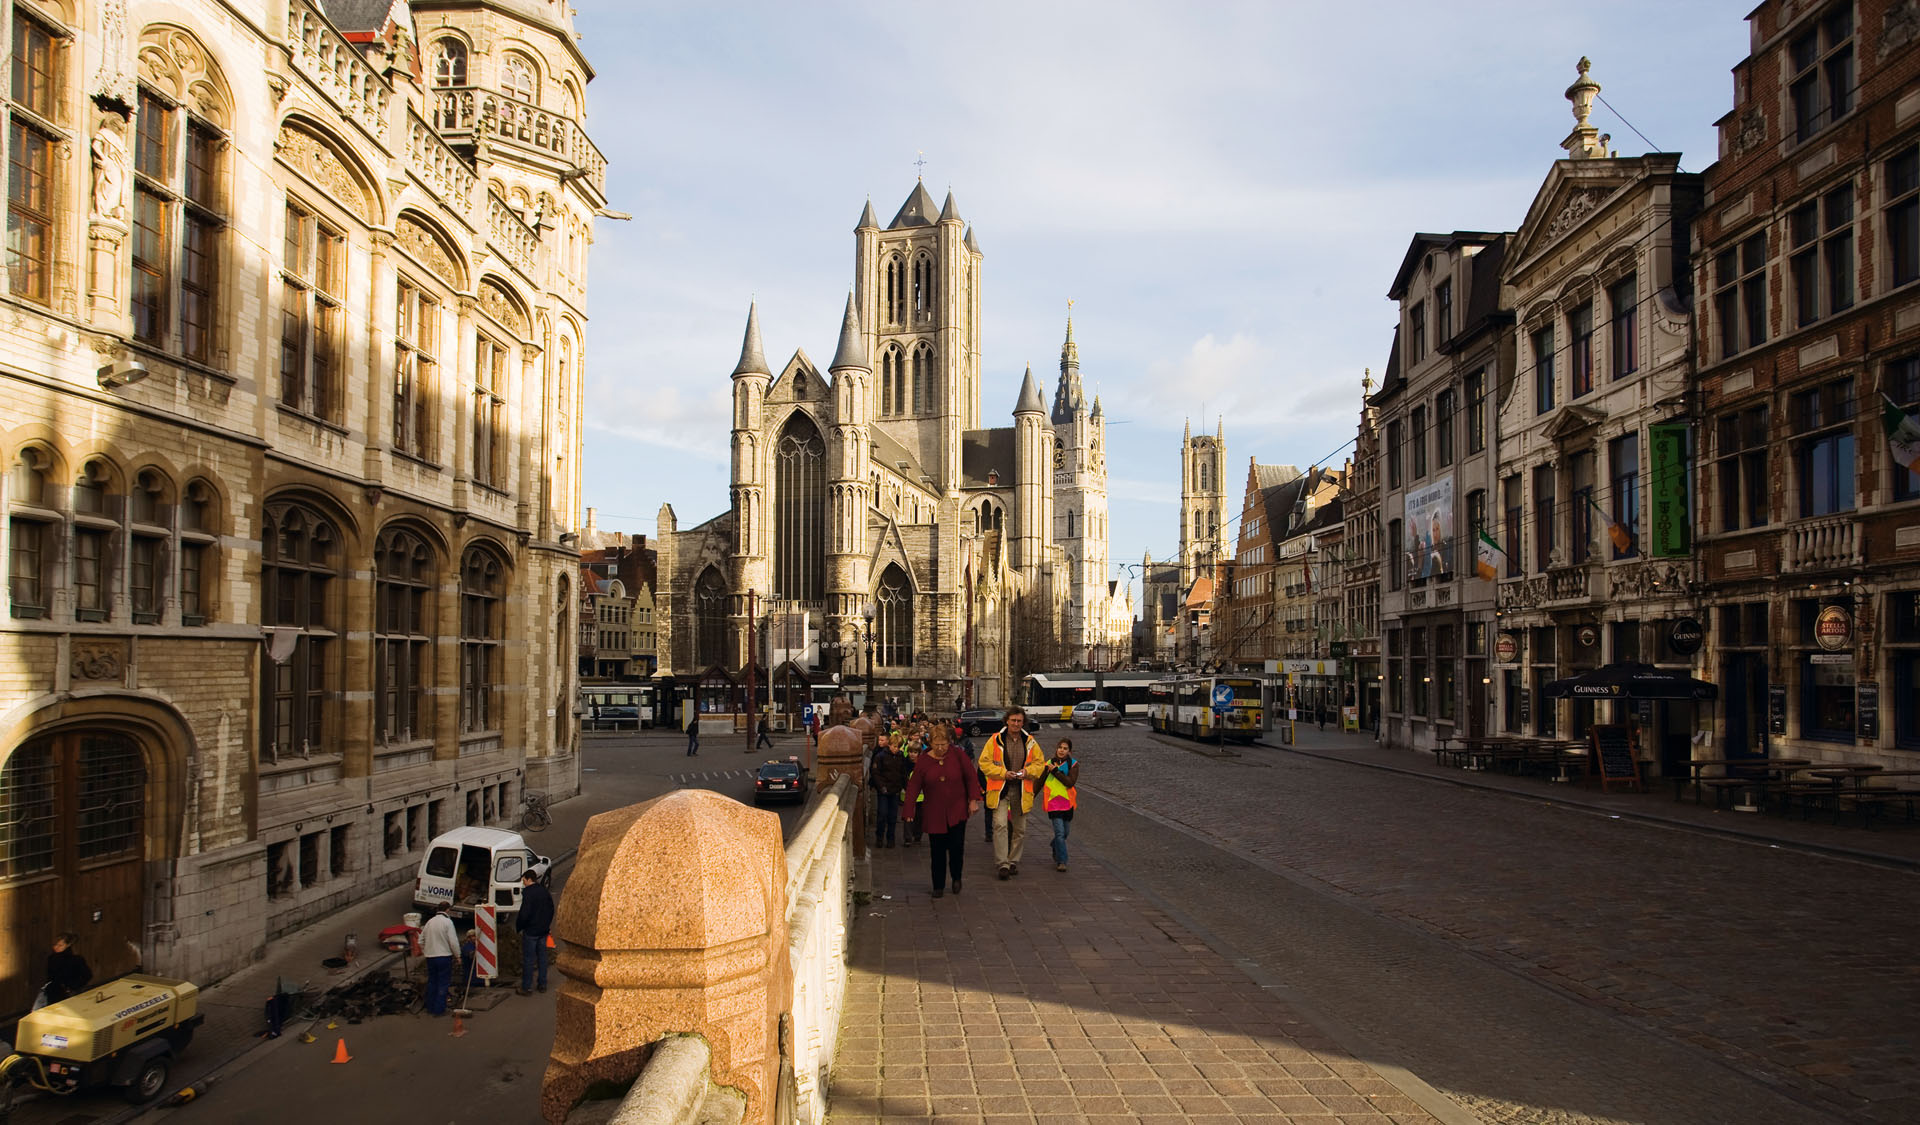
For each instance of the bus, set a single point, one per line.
(1051, 695)
(1184, 705)
(619, 707)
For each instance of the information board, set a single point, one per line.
(1613, 755)
(1777, 709)
(1867, 710)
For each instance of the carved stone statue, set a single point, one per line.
(109, 176)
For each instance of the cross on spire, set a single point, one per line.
(920, 165)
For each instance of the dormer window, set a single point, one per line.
(1821, 62)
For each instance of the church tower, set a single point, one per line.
(917, 291)
(1203, 502)
(1080, 502)
(750, 484)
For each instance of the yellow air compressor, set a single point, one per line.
(123, 1034)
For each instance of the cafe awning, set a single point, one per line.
(1629, 680)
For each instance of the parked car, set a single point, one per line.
(989, 720)
(1095, 713)
(780, 780)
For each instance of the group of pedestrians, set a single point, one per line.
(928, 783)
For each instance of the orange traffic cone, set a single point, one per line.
(340, 1052)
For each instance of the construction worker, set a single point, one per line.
(1008, 813)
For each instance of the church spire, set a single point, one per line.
(852, 350)
(1029, 396)
(1068, 397)
(949, 211)
(867, 221)
(753, 360)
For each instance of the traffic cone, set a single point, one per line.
(459, 1023)
(340, 1052)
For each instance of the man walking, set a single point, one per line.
(535, 922)
(766, 728)
(693, 733)
(439, 944)
(1009, 810)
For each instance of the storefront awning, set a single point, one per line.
(1632, 681)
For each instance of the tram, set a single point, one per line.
(1184, 705)
(1053, 694)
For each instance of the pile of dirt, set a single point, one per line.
(378, 993)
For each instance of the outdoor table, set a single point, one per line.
(1766, 765)
(1442, 751)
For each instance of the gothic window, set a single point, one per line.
(1070, 524)
(296, 580)
(923, 287)
(33, 146)
(313, 276)
(176, 226)
(403, 634)
(893, 619)
(519, 78)
(416, 331)
(96, 541)
(482, 587)
(892, 382)
(923, 378)
(800, 515)
(710, 620)
(449, 62)
(149, 546)
(489, 413)
(895, 283)
(1206, 474)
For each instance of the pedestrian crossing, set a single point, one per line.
(684, 779)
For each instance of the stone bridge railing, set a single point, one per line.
(704, 964)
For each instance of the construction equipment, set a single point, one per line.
(124, 1033)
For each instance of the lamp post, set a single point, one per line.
(867, 613)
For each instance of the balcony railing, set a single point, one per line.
(1825, 544)
(468, 113)
(510, 234)
(438, 166)
(1570, 583)
(336, 67)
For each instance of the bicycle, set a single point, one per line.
(534, 815)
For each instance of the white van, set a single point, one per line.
(471, 866)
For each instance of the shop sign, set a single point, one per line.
(1507, 648)
(1685, 636)
(1777, 709)
(1867, 710)
(1667, 447)
(1831, 658)
(1305, 667)
(1589, 636)
(1833, 629)
(1526, 706)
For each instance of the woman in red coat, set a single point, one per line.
(951, 786)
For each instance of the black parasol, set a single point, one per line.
(1628, 680)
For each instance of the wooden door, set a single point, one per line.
(72, 846)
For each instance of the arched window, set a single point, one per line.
(893, 619)
(199, 524)
(482, 584)
(519, 78)
(415, 383)
(35, 164)
(179, 200)
(33, 532)
(800, 511)
(1206, 474)
(892, 382)
(449, 62)
(710, 612)
(148, 555)
(1070, 523)
(923, 287)
(923, 378)
(96, 540)
(402, 636)
(296, 584)
(896, 289)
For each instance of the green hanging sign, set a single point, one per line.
(1672, 510)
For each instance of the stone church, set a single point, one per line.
(875, 509)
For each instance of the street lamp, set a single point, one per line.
(868, 614)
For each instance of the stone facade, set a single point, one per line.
(292, 363)
(878, 528)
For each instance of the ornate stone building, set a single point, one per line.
(872, 508)
(292, 348)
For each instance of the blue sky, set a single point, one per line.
(1223, 189)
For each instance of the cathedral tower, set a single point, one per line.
(848, 492)
(1080, 502)
(750, 379)
(1203, 502)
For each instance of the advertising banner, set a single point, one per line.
(1672, 524)
(1430, 530)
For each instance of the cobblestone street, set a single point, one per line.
(1534, 961)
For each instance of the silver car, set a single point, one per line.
(1095, 713)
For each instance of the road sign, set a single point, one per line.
(1222, 696)
(486, 943)
(806, 712)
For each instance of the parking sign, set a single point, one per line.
(806, 712)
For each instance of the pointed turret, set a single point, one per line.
(949, 213)
(971, 243)
(1029, 397)
(867, 221)
(917, 211)
(1097, 412)
(852, 350)
(1068, 397)
(752, 360)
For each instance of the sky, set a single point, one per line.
(1224, 190)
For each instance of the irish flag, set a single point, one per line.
(1903, 435)
(1616, 531)
(1484, 553)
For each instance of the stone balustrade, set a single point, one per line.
(1570, 583)
(509, 234)
(1823, 544)
(705, 963)
(474, 112)
(336, 67)
(438, 166)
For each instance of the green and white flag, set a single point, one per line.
(1903, 435)
(1485, 555)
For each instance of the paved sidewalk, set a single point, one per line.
(1070, 998)
(233, 1034)
(1892, 840)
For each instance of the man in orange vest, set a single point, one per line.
(1008, 811)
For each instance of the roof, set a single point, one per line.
(752, 362)
(1268, 476)
(985, 451)
(918, 211)
(1029, 397)
(852, 349)
(890, 453)
(1200, 593)
(949, 212)
(1483, 309)
(1421, 244)
(360, 15)
(866, 218)
(1390, 379)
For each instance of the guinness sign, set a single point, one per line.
(1685, 635)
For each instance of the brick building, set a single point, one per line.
(290, 413)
